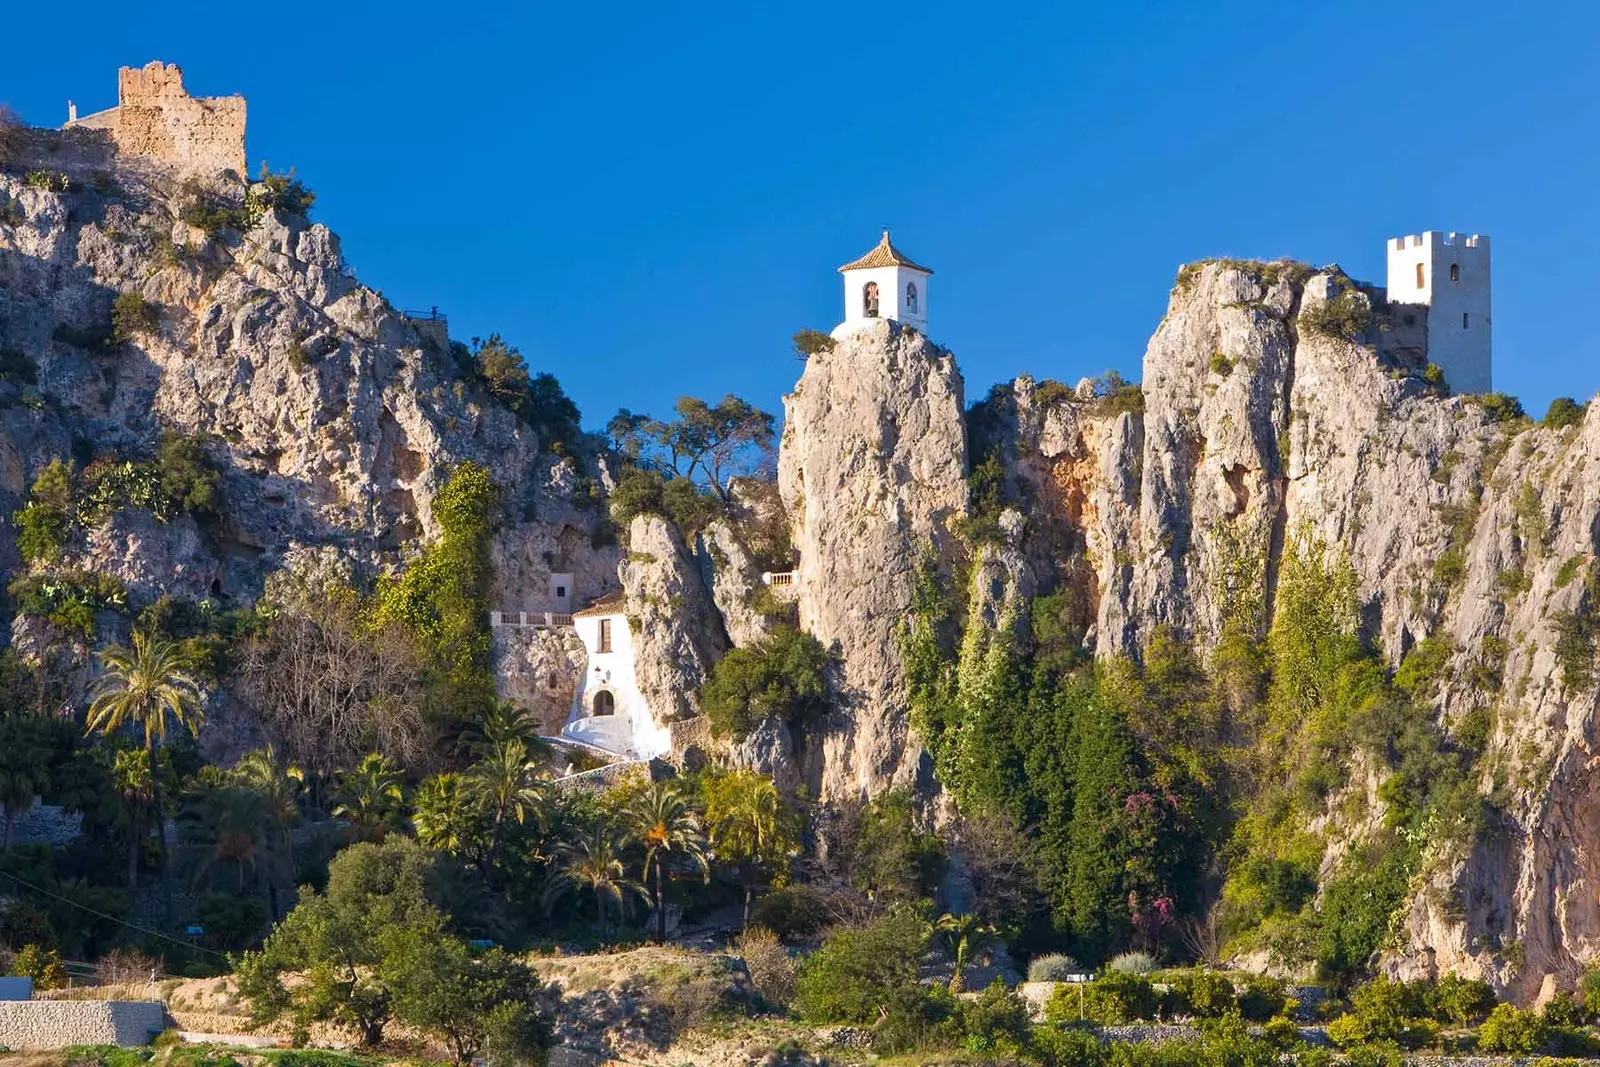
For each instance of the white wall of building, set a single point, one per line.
(892, 303)
(1449, 275)
(631, 730)
(561, 592)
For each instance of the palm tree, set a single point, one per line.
(661, 819)
(447, 814)
(143, 687)
(506, 782)
(962, 936)
(279, 785)
(592, 863)
(130, 772)
(227, 825)
(744, 811)
(25, 761)
(505, 721)
(371, 796)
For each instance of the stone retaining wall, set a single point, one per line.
(49, 1024)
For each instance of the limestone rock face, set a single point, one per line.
(539, 670)
(735, 583)
(335, 418)
(677, 633)
(1259, 427)
(872, 469)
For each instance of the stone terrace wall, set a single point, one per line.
(47, 1024)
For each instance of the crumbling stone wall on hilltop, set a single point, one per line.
(156, 117)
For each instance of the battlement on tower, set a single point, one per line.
(1435, 239)
(155, 117)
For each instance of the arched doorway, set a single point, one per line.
(605, 703)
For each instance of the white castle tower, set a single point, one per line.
(884, 284)
(1447, 275)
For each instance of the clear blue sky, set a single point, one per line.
(648, 199)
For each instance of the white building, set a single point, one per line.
(1446, 276)
(884, 284)
(608, 710)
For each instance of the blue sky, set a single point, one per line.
(649, 201)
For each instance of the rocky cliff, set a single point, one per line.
(333, 417)
(1278, 403)
(872, 470)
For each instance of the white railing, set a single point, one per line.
(784, 585)
(532, 620)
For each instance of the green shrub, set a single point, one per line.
(1378, 1054)
(1574, 1041)
(1590, 990)
(1563, 412)
(132, 315)
(860, 969)
(1132, 963)
(43, 965)
(782, 676)
(188, 476)
(281, 193)
(1345, 316)
(1501, 407)
(914, 1018)
(51, 181)
(1052, 967)
(1117, 997)
(70, 599)
(1203, 994)
(1575, 649)
(1262, 997)
(1281, 1032)
(1569, 570)
(209, 212)
(1462, 1001)
(41, 532)
(44, 522)
(648, 492)
(794, 913)
(1385, 1011)
(1512, 1030)
(1072, 1047)
(1562, 1010)
(808, 343)
(996, 1019)
(1221, 365)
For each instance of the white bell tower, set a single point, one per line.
(884, 284)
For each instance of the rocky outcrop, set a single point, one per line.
(1263, 423)
(736, 586)
(677, 633)
(873, 470)
(334, 418)
(539, 670)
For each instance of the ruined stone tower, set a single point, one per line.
(156, 117)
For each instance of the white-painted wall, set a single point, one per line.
(892, 282)
(561, 592)
(632, 731)
(1460, 326)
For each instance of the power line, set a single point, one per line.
(113, 918)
